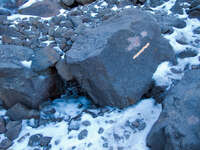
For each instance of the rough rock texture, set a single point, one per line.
(169, 21)
(19, 112)
(178, 127)
(20, 84)
(44, 58)
(63, 70)
(13, 129)
(2, 125)
(115, 62)
(46, 8)
(68, 2)
(194, 11)
(85, 1)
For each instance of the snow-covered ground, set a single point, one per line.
(114, 125)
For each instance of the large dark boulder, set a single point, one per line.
(178, 127)
(115, 61)
(20, 84)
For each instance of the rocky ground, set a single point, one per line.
(66, 67)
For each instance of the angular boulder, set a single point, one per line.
(178, 127)
(20, 84)
(115, 61)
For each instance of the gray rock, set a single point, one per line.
(44, 58)
(45, 8)
(5, 12)
(179, 123)
(95, 54)
(9, 31)
(197, 30)
(76, 20)
(20, 112)
(195, 12)
(5, 144)
(61, 67)
(34, 140)
(83, 134)
(85, 1)
(2, 125)
(20, 84)
(44, 141)
(13, 129)
(68, 2)
(74, 125)
(169, 21)
(187, 53)
(86, 123)
(101, 130)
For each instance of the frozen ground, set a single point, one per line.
(110, 128)
(108, 131)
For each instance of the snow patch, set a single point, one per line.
(166, 6)
(114, 8)
(26, 63)
(29, 3)
(113, 122)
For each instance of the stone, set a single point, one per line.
(5, 12)
(13, 129)
(101, 130)
(44, 58)
(44, 141)
(20, 112)
(196, 31)
(83, 134)
(83, 2)
(135, 48)
(169, 21)
(5, 144)
(2, 125)
(34, 140)
(20, 84)
(195, 12)
(45, 8)
(179, 123)
(74, 125)
(61, 67)
(68, 2)
(187, 53)
(9, 31)
(86, 123)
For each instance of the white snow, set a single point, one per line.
(59, 131)
(29, 3)
(104, 4)
(16, 17)
(2, 112)
(93, 14)
(163, 75)
(166, 6)
(114, 8)
(26, 63)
